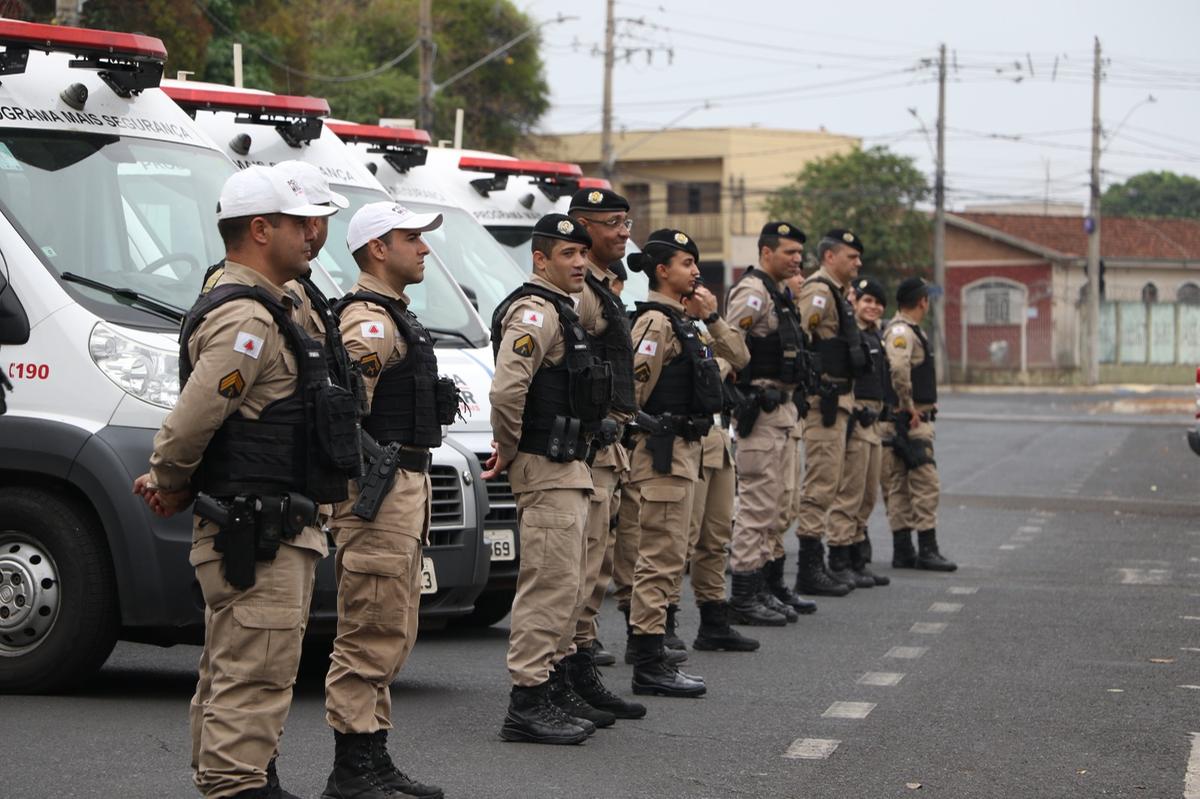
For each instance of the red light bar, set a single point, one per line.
(540, 169)
(216, 100)
(80, 40)
(594, 183)
(377, 134)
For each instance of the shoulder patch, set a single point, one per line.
(642, 373)
(746, 322)
(647, 347)
(371, 366)
(231, 385)
(818, 300)
(248, 344)
(523, 346)
(814, 320)
(754, 302)
(372, 330)
(899, 342)
(531, 317)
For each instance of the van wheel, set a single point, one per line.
(490, 607)
(59, 617)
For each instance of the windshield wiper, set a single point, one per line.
(441, 331)
(163, 309)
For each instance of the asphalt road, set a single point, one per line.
(1061, 660)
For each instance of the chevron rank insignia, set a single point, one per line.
(524, 346)
(232, 385)
(371, 367)
(642, 373)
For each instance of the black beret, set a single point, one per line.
(846, 237)
(598, 200)
(673, 238)
(785, 230)
(867, 286)
(563, 228)
(910, 291)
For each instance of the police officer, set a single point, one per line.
(679, 390)
(838, 357)
(860, 470)
(604, 216)
(549, 396)
(766, 315)
(378, 560)
(910, 473)
(793, 468)
(245, 432)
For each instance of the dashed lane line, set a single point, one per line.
(811, 748)
(962, 590)
(945, 607)
(885, 679)
(906, 652)
(848, 710)
(928, 627)
(1191, 779)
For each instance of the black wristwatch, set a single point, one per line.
(712, 317)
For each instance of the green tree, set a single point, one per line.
(873, 192)
(179, 23)
(1154, 194)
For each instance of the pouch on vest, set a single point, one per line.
(449, 401)
(338, 439)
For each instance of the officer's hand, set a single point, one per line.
(914, 423)
(495, 465)
(701, 304)
(144, 488)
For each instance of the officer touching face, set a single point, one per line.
(246, 433)
(549, 396)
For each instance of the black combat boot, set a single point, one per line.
(564, 697)
(533, 718)
(928, 556)
(585, 679)
(858, 565)
(653, 675)
(673, 655)
(353, 774)
(811, 577)
(773, 572)
(671, 639)
(715, 634)
(866, 545)
(393, 778)
(745, 606)
(603, 656)
(769, 601)
(841, 568)
(274, 789)
(903, 554)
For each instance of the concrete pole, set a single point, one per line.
(606, 145)
(425, 68)
(939, 225)
(1093, 251)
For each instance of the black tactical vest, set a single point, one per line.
(690, 384)
(580, 387)
(307, 442)
(404, 407)
(780, 354)
(871, 385)
(843, 356)
(615, 345)
(924, 377)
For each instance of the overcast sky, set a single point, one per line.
(1023, 69)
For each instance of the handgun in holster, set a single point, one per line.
(608, 432)
(661, 442)
(747, 413)
(562, 445)
(236, 537)
(380, 464)
(828, 394)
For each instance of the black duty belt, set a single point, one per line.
(414, 460)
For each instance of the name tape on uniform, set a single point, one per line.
(248, 344)
(372, 330)
(532, 317)
(647, 347)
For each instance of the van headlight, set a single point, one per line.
(149, 373)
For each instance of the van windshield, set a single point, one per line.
(435, 300)
(131, 213)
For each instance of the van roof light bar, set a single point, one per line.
(402, 148)
(127, 62)
(554, 178)
(297, 119)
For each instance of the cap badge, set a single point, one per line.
(295, 187)
(862, 284)
(565, 228)
(783, 230)
(681, 239)
(848, 237)
(595, 197)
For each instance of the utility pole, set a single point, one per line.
(939, 224)
(1093, 230)
(425, 34)
(606, 145)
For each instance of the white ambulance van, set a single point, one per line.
(255, 127)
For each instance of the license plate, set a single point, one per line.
(428, 576)
(503, 544)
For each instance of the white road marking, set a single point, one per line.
(1010, 547)
(1029, 528)
(906, 652)
(811, 748)
(1144, 576)
(1190, 618)
(1191, 780)
(962, 589)
(928, 627)
(886, 679)
(1115, 690)
(1189, 649)
(848, 710)
(1190, 687)
(945, 607)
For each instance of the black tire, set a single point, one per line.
(490, 607)
(59, 616)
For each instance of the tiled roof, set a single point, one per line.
(1120, 237)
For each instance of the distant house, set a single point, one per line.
(1015, 285)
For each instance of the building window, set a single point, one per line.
(694, 198)
(1188, 294)
(995, 307)
(1149, 293)
(995, 302)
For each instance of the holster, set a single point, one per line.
(609, 432)
(828, 395)
(251, 529)
(378, 475)
(661, 446)
(747, 415)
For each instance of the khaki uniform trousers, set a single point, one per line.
(251, 651)
(598, 568)
(855, 483)
(911, 495)
(824, 452)
(550, 587)
(759, 457)
(625, 545)
(664, 515)
(709, 534)
(789, 505)
(871, 489)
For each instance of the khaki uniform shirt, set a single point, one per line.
(372, 340)
(591, 316)
(818, 312)
(227, 377)
(530, 337)
(751, 311)
(904, 353)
